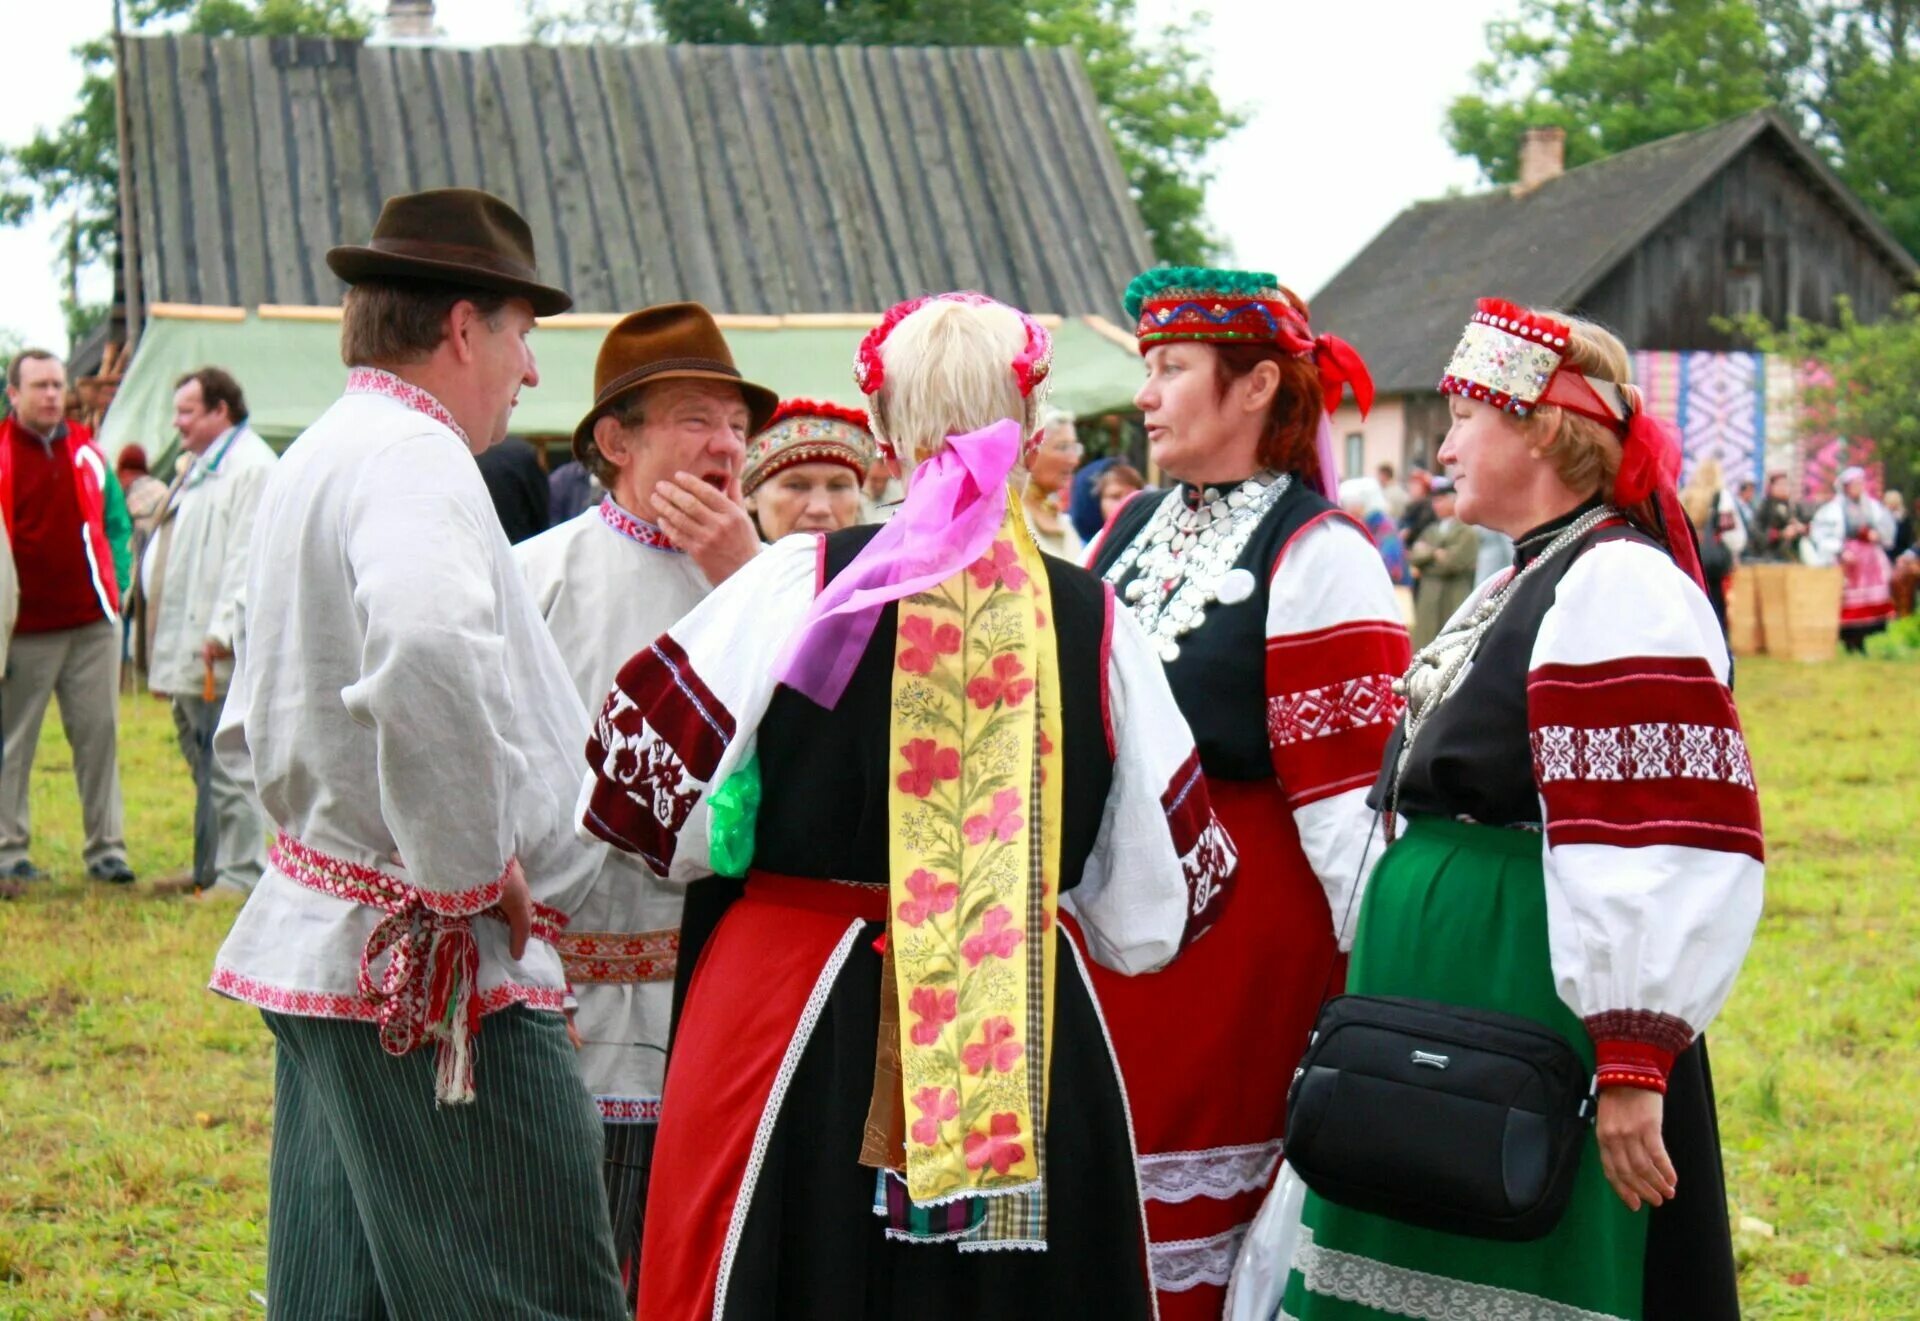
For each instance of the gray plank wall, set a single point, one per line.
(755, 179)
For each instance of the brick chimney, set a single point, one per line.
(1543, 156)
(409, 20)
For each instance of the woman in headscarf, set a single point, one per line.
(804, 469)
(1281, 636)
(1581, 845)
(1853, 531)
(890, 1093)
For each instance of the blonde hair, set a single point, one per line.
(1585, 453)
(1700, 496)
(949, 371)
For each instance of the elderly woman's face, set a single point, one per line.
(1494, 471)
(808, 497)
(1054, 459)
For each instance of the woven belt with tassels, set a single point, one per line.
(428, 991)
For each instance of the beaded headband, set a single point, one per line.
(1030, 367)
(1516, 360)
(808, 431)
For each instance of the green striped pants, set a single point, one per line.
(383, 1205)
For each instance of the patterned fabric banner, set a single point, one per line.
(1742, 409)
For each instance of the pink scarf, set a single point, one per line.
(954, 506)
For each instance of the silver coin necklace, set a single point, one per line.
(1186, 556)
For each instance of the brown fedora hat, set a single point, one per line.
(458, 236)
(671, 342)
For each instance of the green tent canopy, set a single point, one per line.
(290, 369)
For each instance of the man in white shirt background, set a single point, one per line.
(193, 575)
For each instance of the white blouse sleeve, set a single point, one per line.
(1335, 644)
(684, 714)
(1653, 851)
(1162, 864)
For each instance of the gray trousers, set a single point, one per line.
(229, 830)
(81, 667)
(381, 1204)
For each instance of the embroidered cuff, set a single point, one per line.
(465, 903)
(1636, 1047)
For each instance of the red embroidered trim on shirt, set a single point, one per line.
(1206, 851)
(371, 380)
(657, 742)
(626, 1110)
(325, 1004)
(1640, 751)
(1331, 705)
(636, 529)
(361, 884)
(614, 957)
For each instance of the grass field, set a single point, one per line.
(135, 1107)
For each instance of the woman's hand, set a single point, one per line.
(1631, 1150)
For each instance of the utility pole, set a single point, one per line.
(130, 291)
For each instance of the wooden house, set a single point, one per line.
(1659, 244)
(797, 191)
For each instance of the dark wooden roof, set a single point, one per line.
(754, 179)
(1403, 300)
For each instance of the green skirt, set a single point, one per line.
(1457, 913)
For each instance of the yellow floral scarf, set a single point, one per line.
(975, 867)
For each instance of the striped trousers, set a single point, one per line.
(383, 1205)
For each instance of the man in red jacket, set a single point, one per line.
(66, 642)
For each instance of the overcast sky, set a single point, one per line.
(1344, 105)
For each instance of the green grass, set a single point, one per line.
(135, 1107)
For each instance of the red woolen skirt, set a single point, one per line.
(1207, 1048)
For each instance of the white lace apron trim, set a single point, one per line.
(1399, 1291)
(1188, 1263)
(1218, 1172)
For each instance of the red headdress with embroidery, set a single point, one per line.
(808, 431)
(1211, 306)
(1515, 360)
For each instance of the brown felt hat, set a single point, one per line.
(671, 342)
(458, 236)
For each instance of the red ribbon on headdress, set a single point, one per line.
(1649, 470)
(1340, 367)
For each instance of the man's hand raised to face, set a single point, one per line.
(711, 526)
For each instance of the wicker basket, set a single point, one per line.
(1813, 613)
(1744, 634)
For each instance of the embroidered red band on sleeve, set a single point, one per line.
(1636, 1047)
(1642, 750)
(657, 743)
(1331, 706)
(1206, 851)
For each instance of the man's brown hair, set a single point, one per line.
(403, 321)
(218, 387)
(24, 357)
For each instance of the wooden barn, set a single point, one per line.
(1656, 243)
(797, 191)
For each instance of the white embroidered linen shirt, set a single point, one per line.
(605, 594)
(396, 694)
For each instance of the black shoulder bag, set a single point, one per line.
(1447, 1117)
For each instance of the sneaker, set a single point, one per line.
(24, 870)
(114, 871)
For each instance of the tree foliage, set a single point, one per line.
(75, 168)
(1618, 73)
(1161, 111)
(1871, 386)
